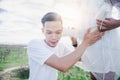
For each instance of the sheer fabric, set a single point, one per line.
(104, 55)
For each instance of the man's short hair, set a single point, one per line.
(51, 16)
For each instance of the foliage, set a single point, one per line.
(75, 73)
(22, 73)
(4, 52)
(118, 78)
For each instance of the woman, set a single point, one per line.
(102, 58)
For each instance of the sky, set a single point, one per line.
(20, 19)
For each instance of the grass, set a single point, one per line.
(75, 73)
(16, 57)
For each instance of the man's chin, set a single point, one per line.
(53, 45)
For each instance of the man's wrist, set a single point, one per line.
(85, 43)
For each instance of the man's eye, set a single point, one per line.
(49, 32)
(58, 32)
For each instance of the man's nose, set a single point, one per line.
(54, 36)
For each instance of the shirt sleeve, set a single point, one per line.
(38, 53)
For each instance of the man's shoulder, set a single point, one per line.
(61, 45)
(35, 41)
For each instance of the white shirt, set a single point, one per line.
(38, 53)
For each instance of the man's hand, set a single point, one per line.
(108, 24)
(92, 37)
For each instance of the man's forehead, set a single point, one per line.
(53, 25)
(53, 22)
(53, 29)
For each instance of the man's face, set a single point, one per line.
(53, 32)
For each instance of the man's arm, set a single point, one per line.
(108, 24)
(66, 62)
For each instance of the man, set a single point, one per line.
(48, 55)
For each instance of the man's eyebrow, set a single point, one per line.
(59, 30)
(47, 30)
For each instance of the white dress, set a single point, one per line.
(104, 55)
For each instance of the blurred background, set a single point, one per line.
(20, 21)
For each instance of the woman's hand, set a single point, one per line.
(108, 24)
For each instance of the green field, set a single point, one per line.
(11, 57)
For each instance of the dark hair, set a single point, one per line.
(51, 16)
